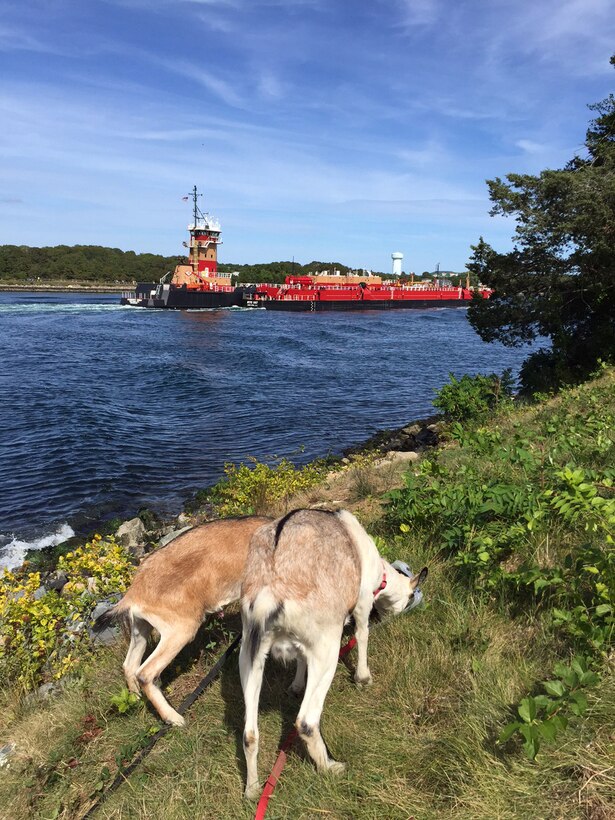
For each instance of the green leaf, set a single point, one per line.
(532, 743)
(579, 666)
(581, 702)
(560, 669)
(559, 721)
(603, 609)
(508, 731)
(554, 687)
(548, 729)
(527, 710)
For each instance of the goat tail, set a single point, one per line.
(117, 613)
(261, 614)
(264, 606)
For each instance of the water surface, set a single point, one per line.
(105, 409)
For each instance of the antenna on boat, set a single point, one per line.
(195, 196)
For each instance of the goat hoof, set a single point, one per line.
(335, 767)
(363, 683)
(252, 792)
(133, 686)
(175, 719)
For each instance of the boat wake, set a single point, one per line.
(42, 307)
(13, 550)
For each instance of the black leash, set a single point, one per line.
(124, 773)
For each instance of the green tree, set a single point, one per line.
(558, 282)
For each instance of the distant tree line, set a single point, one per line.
(93, 263)
(81, 263)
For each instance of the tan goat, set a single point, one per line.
(173, 590)
(305, 574)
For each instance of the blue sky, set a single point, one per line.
(319, 129)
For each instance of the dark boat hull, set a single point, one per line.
(316, 306)
(180, 299)
(183, 299)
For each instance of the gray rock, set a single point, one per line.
(171, 536)
(427, 438)
(58, 583)
(183, 520)
(408, 456)
(75, 626)
(38, 593)
(411, 429)
(131, 533)
(6, 752)
(46, 690)
(110, 634)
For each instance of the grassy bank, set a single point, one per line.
(514, 515)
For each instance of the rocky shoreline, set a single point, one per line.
(147, 531)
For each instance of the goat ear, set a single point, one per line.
(418, 579)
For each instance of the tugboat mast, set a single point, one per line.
(204, 239)
(195, 195)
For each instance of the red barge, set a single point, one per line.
(358, 292)
(198, 285)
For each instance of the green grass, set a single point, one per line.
(421, 742)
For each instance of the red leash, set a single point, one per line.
(281, 759)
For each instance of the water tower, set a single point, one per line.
(397, 257)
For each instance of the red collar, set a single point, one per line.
(383, 583)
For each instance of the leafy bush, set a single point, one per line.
(526, 514)
(125, 701)
(256, 490)
(544, 716)
(42, 632)
(474, 397)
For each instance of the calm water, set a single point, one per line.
(105, 409)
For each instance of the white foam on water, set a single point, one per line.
(13, 553)
(71, 307)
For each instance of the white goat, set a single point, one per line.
(305, 574)
(172, 591)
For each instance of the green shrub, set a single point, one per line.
(525, 514)
(474, 397)
(39, 638)
(544, 716)
(260, 488)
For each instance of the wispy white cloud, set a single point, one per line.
(14, 38)
(575, 34)
(270, 86)
(418, 12)
(530, 147)
(221, 88)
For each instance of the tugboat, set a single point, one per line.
(197, 284)
(335, 291)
